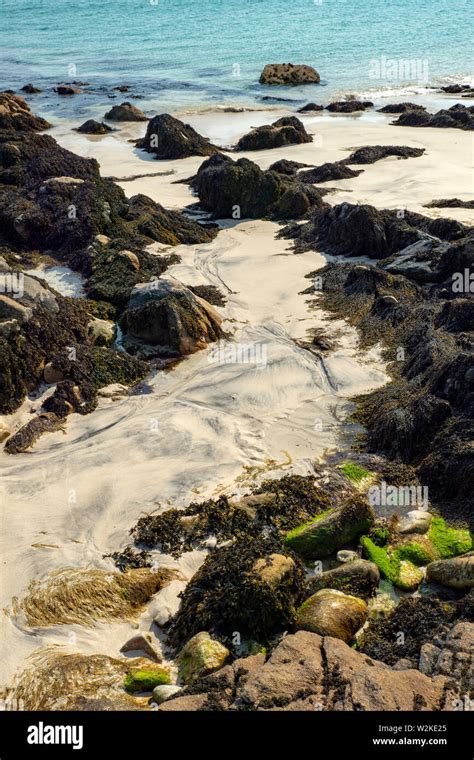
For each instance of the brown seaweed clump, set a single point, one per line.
(232, 593)
(420, 620)
(276, 506)
(84, 596)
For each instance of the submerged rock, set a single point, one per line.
(285, 131)
(143, 642)
(170, 138)
(125, 112)
(167, 314)
(289, 74)
(30, 89)
(201, 655)
(332, 613)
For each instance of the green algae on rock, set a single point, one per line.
(401, 572)
(201, 656)
(330, 531)
(332, 613)
(145, 679)
(448, 541)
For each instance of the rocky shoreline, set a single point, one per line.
(349, 588)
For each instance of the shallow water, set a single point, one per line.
(180, 55)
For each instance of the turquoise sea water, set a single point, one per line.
(179, 53)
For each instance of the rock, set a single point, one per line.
(346, 555)
(201, 656)
(35, 294)
(285, 131)
(288, 74)
(169, 138)
(52, 375)
(332, 613)
(349, 106)
(330, 531)
(227, 188)
(101, 332)
(457, 117)
(11, 309)
(401, 108)
(132, 258)
(92, 127)
(454, 658)
(28, 434)
(65, 89)
(329, 172)
(429, 655)
(410, 576)
(125, 112)
(169, 227)
(358, 577)
(274, 569)
(455, 573)
(186, 703)
(308, 672)
(143, 642)
(449, 203)
(145, 678)
(30, 89)
(167, 314)
(372, 153)
(310, 107)
(456, 89)
(416, 521)
(15, 115)
(382, 604)
(164, 692)
(113, 391)
(284, 166)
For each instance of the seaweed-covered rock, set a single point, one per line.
(92, 127)
(170, 138)
(457, 117)
(329, 172)
(455, 573)
(285, 166)
(358, 577)
(330, 531)
(201, 656)
(401, 108)
(372, 153)
(288, 74)
(145, 678)
(16, 116)
(349, 106)
(310, 107)
(332, 613)
(449, 203)
(229, 593)
(285, 131)
(242, 190)
(148, 218)
(167, 314)
(30, 89)
(393, 565)
(125, 112)
(29, 433)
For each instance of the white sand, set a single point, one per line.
(208, 427)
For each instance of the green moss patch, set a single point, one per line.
(355, 472)
(301, 528)
(394, 565)
(449, 542)
(145, 680)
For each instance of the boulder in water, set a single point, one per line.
(289, 74)
(125, 112)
